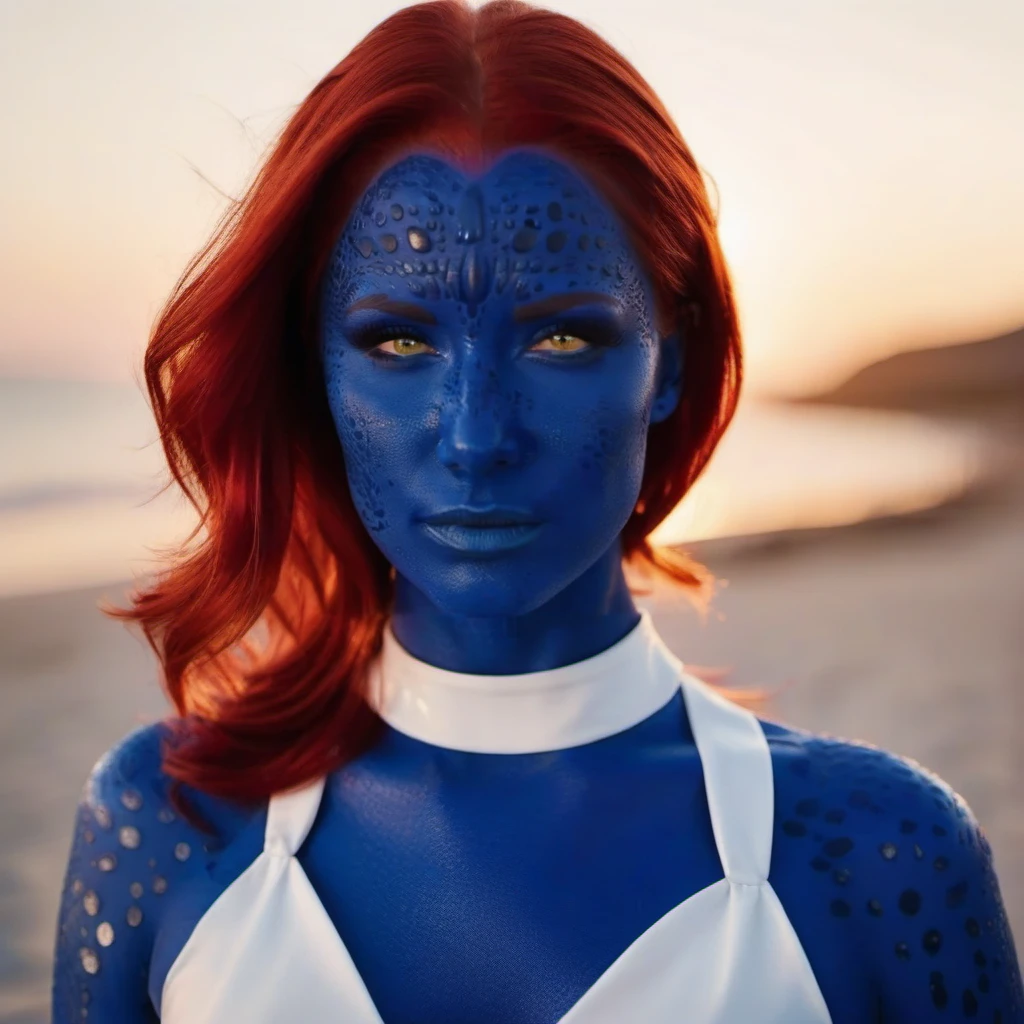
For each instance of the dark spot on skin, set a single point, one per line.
(902, 951)
(972, 927)
(794, 828)
(600, 242)
(938, 990)
(380, 218)
(838, 847)
(910, 902)
(907, 826)
(397, 213)
(820, 864)
(840, 908)
(938, 830)
(365, 247)
(940, 864)
(554, 211)
(980, 960)
(956, 894)
(808, 808)
(556, 241)
(888, 851)
(583, 242)
(874, 908)
(419, 240)
(932, 941)
(524, 240)
(388, 243)
(970, 1003)
(841, 876)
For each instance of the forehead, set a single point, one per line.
(528, 226)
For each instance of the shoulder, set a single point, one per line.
(874, 853)
(128, 786)
(131, 850)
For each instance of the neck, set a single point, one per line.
(592, 613)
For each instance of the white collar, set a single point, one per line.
(531, 712)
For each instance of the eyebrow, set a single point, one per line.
(560, 303)
(396, 307)
(528, 311)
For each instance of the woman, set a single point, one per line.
(464, 344)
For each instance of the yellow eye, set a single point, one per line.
(404, 347)
(560, 343)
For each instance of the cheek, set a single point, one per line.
(364, 438)
(385, 428)
(600, 432)
(614, 446)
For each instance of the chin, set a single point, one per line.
(479, 590)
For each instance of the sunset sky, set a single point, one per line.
(868, 157)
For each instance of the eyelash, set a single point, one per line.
(368, 338)
(596, 335)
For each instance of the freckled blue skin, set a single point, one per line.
(486, 419)
(498, 888)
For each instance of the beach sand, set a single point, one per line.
(903, 632)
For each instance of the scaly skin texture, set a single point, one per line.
(482, 410)
(498, 888)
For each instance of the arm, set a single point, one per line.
(948, 951)
(102, 952)
(129, 849)
(888, 880)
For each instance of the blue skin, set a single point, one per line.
(456, 880)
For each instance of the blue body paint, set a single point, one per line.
(491, 364)
(494, 459)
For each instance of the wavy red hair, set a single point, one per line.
(266, 621)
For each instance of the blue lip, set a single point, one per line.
(485, 515)
(482, 539)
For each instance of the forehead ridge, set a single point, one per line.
(526, 226)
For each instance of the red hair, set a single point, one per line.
(266, 622)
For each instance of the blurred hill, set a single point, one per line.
(978, 378)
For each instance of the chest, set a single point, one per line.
(470, 887)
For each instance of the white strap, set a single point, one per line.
(290, 817)
(738, 779)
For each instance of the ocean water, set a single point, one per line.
(81, 473)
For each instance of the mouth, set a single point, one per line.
(482, 530)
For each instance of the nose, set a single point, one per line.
(479, 427)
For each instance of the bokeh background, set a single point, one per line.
(864, 513)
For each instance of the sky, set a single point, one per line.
(867, 157)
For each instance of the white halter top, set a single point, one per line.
(267, 953)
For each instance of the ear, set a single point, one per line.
(669, 384)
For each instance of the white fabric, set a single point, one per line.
(267, 953)
(528, 713)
